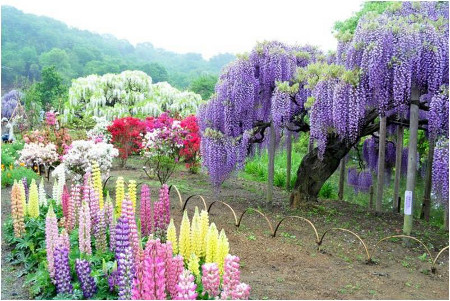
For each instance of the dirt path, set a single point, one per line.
(289, 266)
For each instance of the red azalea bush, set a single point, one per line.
(191, 150)
(126, 136)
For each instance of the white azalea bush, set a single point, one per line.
(100, 131)
(34, 154)
(130, 93)
(82, 153)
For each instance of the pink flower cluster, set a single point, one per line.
(186, 286)
(211, 279)
(50, 118)
(232, 287)
(146, 211)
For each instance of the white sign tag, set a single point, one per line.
(408, 202)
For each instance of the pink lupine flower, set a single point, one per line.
(51, 238)
(146, 211)
(65, 200)
(64, 239)
(174, 269)
(186, 286)
(75, 203)
(94, 205)
(231, 275)
(50, 118)
(241, 292)
(165, 200)
(211, 279)
(84, 230)
(100, 231)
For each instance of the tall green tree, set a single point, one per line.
(204, 85)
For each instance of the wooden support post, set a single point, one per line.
(412, 159)
(398, 168)
(341, 179)
(271, 165)
(426, 204)
(371, 197)
(381, 159)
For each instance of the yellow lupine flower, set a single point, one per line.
(193, 265)
(97, 183)
(172, 236)
(132, 192)
(196, 234)
(184, 241)
(223, 248)
(120, 194)
(211, 243)
(204, 225)
(33, 200)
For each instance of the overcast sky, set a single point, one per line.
(202, 26)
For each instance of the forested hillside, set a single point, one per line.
(30, 43)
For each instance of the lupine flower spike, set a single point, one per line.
(17, 211)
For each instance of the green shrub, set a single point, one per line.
(17, 173)
(327, 191)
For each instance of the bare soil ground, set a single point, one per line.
(289, 266)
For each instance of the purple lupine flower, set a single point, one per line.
(112, 280)
(62, 268)
(100, 231)
(125, 269)
(51, 237)
(87, 282)
(25, 185)
(122, 235)
(84, 230)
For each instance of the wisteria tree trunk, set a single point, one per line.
(426, 203)
(381, 159)
(313, 172)
(288, 159)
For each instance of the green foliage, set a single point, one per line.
(31, 43)
(328, 191)
(17, 173)
(204, 85)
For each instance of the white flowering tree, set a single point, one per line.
(130, 93)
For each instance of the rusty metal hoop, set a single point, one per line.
(399, 236)
(178, 192)
(232, 210)
(348, 231)
(260, 213)
(192, 196)
(301, 218)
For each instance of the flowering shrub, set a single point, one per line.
(60, 138)
(38, 154)
(191, 149)
(126, 136)
(169, 140)
(100, 131)
(82, 153)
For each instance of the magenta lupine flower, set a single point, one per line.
(65, 200)
(241, 292)
(51, 238)
(160, 279)
(174, 269)
(186, 286)
(84, 230)
(146, 211)
(231, 275)
(87, 282)
(211, 279)
(62, 277)
(100, 231)
(165, 200)
(128, 212)
(125, 273)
